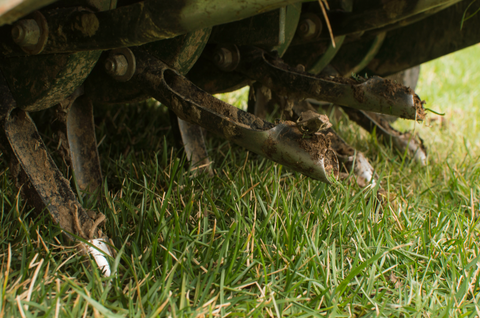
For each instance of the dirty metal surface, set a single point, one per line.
(256, 31)
(180, 53)
(72, 30)
(374, 94)
(349, 158)
(381, 14)
(426, 40)
(39, 82)
(259, 100)
(317, 65)
(206, 75)
(76, 130)
(316, 54)
(354, 56)
(403, 142)
(283, 143)
(262, 30)
(35, 172)
(190, 137)
(410, 20)
(10, 10)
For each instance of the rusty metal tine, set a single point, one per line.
(76, 131)
(374, 94)
(283, 143)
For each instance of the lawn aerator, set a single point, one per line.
(72, 54)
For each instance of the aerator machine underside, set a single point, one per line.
(360, 56)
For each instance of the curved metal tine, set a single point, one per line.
(348, 156)
(43, 185)
(76, 131)
(403, 142)
(190, 137)
(374, 94)
(283, 143)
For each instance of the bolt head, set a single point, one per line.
(110, 65)
(26, 32)
(303, 27)
(18, 33)
(307, 29)
(223, 57)
(116, 65)
(218, 58)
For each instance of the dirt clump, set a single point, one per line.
(419, 107)
(331, 163)
(339, 146)
(341, 80)
(316, 145)
(358, 93)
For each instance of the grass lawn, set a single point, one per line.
(257, 239)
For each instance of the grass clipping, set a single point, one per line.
(322, 6)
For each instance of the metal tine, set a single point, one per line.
(283, 143)
(347, 155)
(35, 173)
(374, 94)
(190, 137)
(403, 142)
(76, 131)
(259, 99)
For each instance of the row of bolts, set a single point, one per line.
(26, 33)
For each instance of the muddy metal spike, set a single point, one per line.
(346, 154)
(374, 94)
(190, 138)
(258, 100)
(403, 142)
(76, 131)
(351, 158)
(283, 143)
(35, 173)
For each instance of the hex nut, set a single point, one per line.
(223, 58)
(310, 27)
(121, 64)
(226, 57)
(306, 29)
